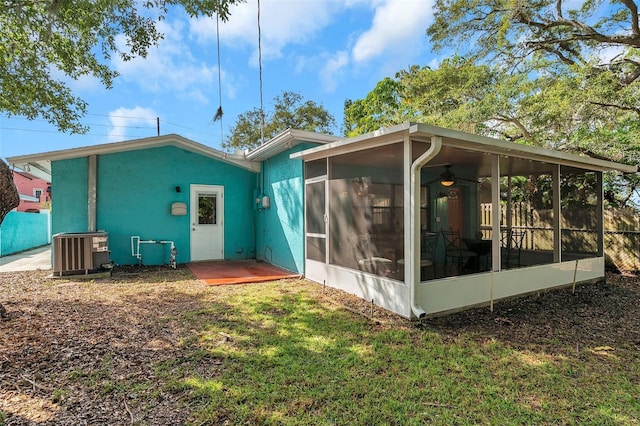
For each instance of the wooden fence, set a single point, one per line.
(579, 231)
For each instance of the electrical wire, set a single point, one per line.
(92, 125)
(260, 67)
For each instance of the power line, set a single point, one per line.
(74, 134)
(115, 126)
(187, 128)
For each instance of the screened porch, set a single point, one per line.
(393, 219)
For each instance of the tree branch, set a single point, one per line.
(620, 107)
(525, 133)
(633, 9)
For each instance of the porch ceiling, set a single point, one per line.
(479, 163)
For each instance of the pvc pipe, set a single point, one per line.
(414, 225)
(135, 251)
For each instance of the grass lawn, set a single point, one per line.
(158, 347)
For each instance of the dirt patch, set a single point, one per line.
(70, 349)
(107, 351)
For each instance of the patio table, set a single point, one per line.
(480, 247)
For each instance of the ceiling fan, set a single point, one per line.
(447, 178)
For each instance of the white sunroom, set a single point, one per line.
(423, 220)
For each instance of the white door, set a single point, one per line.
(207, 222)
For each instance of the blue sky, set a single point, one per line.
(326, 50)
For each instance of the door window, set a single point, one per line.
(207, 206)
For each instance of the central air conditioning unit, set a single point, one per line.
(75, 253)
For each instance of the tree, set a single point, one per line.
(9, 198)
(458, 94)
(583, 63)
(253, 128)
(586, 60)
(43, 39)
(552, 110)
(75, 38)
(384, 106)
(512, 31)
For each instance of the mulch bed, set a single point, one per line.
(66, 349)
(601, 315)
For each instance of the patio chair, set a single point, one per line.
(428, 248)
(455, 251)
(511, 247)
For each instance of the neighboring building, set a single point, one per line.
(362, 214)
(35, 193)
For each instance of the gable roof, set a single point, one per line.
(39, 165)
(287, 140)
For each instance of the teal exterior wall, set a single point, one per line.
(135, 190)
(280, 228)
(69, 185)
(23, 231)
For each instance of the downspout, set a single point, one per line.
(414, 225)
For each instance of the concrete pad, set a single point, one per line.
(32, 260)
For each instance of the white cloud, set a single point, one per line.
(172, 68)
(398, 25)
(281, 23)
(395, 33)
(85, 83)
(331, 72)
(123, 119)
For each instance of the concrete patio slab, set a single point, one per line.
(31, 260)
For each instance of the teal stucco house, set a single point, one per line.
(209, 204)
(421, 220)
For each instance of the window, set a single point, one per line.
(207, 209)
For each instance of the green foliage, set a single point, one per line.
(45, 43)
(459, 94)
(578, 88)
(290, 110)
(539, 73)
(382, 107)
(547, 29)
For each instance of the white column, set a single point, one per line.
(495, 213)
(557, 216)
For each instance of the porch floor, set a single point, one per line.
(221, 272)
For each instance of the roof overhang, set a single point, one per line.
(287, 140)
(25, 197)
(40, 164)
(461, 140)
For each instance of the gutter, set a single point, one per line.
(414, 225)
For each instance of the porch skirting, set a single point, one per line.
(455, 293)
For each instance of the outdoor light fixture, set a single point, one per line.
(447, 178)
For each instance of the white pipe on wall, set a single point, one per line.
(135, 249)
(412, 271)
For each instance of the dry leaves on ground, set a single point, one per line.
(67, 347)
